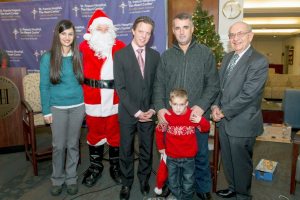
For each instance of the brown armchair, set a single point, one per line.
(32, 120)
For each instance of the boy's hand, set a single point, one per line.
(162, 151)
(195, 118)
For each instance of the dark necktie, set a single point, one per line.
(141, 60)
(231, 64)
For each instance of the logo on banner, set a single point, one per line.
(53, 12)
(34, 12)
(10, 14)
(16, 32)
(87, 10)
(124, 30)
(27, 33)
(123, 6)
(37, 54)
(16, 55)
(140, 6)
(76, 9)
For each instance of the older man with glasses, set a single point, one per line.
(237, 110)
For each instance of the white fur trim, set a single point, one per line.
(101, 110)
(107, 70)
(107, 99)
(157, 191)
(101, 20)
(101, 142)
(87, 36)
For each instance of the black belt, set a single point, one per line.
(108, 84)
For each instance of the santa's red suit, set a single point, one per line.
(101, 103)
(100, 98)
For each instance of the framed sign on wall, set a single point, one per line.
(291, 56)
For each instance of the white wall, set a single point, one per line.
(271, 47)
(225, 23)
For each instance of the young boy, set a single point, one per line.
(178, 141)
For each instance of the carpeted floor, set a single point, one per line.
(17, 180)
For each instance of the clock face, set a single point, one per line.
(231, 9)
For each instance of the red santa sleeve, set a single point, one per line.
(160, 131)
(117, 46)
(204, 125)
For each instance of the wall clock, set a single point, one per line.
(231, 9)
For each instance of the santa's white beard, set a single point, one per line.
(102, 43)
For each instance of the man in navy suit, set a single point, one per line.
(238, 110)
(134, 72)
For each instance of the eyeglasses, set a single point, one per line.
(238, 35)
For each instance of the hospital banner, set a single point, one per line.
(27, 27)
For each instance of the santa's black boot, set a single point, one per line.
(114, 164)
(93, 173)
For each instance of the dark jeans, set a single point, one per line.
(202, 170)
(181, 177)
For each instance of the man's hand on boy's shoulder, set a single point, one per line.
(161, 116)
(196, 110)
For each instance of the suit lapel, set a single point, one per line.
(240, 65)
(136, 66)
(224, 68)
(147, 64)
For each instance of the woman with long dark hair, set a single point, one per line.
(62, 105)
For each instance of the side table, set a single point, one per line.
(272, 112)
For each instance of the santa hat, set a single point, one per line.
(99, 17)
(162, 174)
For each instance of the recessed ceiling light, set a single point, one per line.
(248, 4)
(272, 20)
(276, 30)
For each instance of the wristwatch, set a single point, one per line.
(232, 9)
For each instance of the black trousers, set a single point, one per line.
(145, 133)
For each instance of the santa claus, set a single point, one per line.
(100, 98)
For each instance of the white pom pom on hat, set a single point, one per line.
(157, 190)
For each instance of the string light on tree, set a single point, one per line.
(205, 32)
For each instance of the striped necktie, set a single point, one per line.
(141, 60)
(231, 64)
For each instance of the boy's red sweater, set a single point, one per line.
(180, 140)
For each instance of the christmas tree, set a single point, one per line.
(205, 32)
